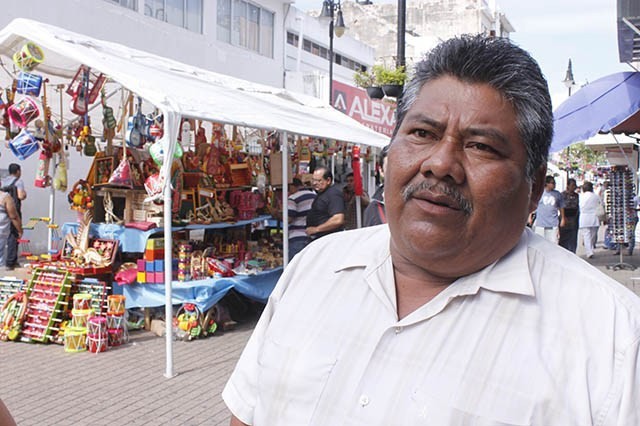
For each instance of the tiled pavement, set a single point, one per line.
(43, 385)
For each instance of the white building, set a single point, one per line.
(241, 38)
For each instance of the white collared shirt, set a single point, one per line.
(538, 338)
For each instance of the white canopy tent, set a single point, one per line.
(179, 90)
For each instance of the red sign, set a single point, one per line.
(375, 114)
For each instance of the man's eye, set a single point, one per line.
(422, 133)
(481, 147)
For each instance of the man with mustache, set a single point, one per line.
(454, 313)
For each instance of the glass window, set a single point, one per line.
(183, 13)
(253, 27)
(224, 20)
(266, 33)
(247, 25)
(174, 12)
(129, 4)
(239, 23)
(194, 16)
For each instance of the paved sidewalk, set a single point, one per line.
(43, 385)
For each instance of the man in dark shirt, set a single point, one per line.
(569, 232)
(327, 211)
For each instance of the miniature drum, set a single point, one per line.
(81, 301)
(24, 145)
(96, 344)
(23, 112)
(115, 321)
(29, 84)
(97, 326)
(75, 339)
(28, 57)
(116, 336)
(80, 318)
(116, 304)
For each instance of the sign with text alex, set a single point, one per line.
(375, 114)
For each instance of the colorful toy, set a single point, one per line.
(29, 84)
(12, 316)
(23, 112)
(187, 322)
(75, 339)
(80, 197)
(24, 145)
(46, 291)
(28, 57)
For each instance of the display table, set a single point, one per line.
(203, 293)
(134, 240)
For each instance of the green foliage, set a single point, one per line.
(364, 79)
(578, 158)
(396, 76)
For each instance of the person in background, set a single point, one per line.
(588, 221)
(298, 205)
(327, 211)
(569, 232)
(9, 220)
(14, 179)
(550, 212)
(453, 313)
(375, 214)
(349, 194)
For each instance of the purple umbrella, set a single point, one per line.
(609, 104)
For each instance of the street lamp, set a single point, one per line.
(329, 9)
(568, 79)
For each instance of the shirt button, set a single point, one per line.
(364, 400)
(399, 330)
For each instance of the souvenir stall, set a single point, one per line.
(158, 177)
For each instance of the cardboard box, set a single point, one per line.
(158, 265)
(275, 160)
(158, 277)
(141, 265)
(141, 277)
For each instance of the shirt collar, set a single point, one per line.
(509, 274)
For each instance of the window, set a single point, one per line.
(246, 25)
(323, 52)
(129, 4)
(182, 13)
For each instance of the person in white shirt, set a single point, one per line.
(453, 313)
(589, 221)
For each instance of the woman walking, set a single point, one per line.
(589, 221)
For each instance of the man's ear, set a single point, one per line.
(537, 186)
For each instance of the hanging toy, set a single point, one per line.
(156, 151)
(29, 57)
(84, 89)
(60, 177)
(80, 197)
(43, 179)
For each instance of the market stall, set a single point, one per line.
(179, 94)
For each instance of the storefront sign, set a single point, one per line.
(375, 114)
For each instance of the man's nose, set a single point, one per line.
(445, 159)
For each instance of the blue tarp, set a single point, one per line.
(133, 240)
(203, 293)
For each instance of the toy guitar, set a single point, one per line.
(135, 126)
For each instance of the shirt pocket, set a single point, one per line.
(291, 382)
(428, 409)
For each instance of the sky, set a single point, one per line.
(554, 31)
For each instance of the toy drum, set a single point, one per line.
(115, 321)
(96, 344)
(24, 145)
(80, 319)
(81, 301)
(116, 336)
(97, 327)
(75, 339)
(116, 304)
(23, 112)
(28, 57)
(29, 84)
